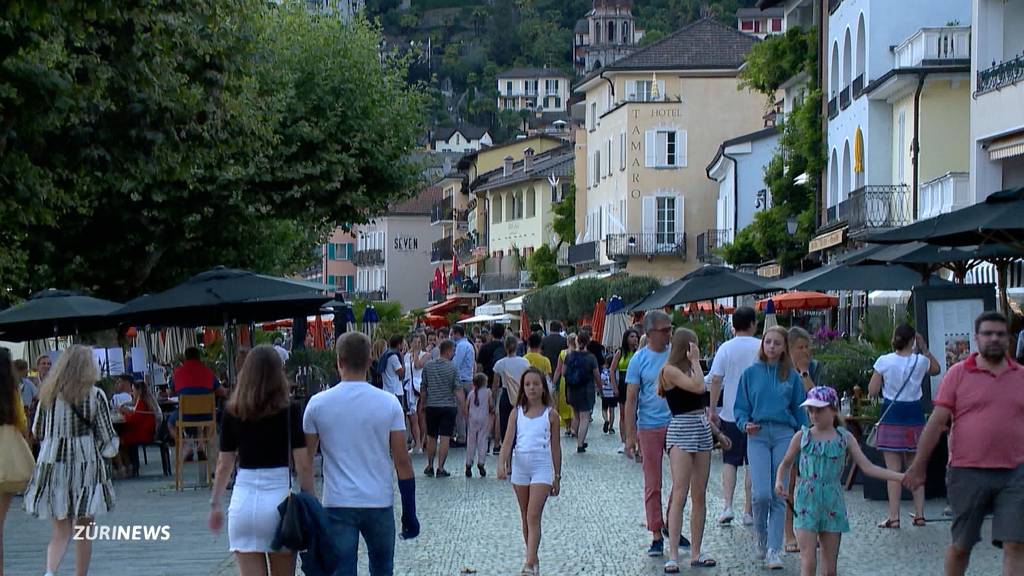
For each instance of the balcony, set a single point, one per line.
(562, 255)
(858, 86)
(362, 258)
(873, 209)
(441, 250)
(951, 191)
(442, 212)
(844, 98)
(709, 243)
(505, 281)
(621, 247)
(434, 295)
(369, 295)
(582, 254)
(1001, 75)
(947, 45)
(833, 110)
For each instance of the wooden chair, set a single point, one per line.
(195, 412)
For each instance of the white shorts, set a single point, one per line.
(252, 514)
(532, 468)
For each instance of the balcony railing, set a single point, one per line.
(505, 281)
(585, 253)
(935, 46)
(441, 250)
(442, 211)
(874, 208)
(709, 243)
(562, 255)
(946, 193)
(833, 109)
(844, 98)
(371, 295)
(646, 244)
(434, 295)
(858, 86)
(374, 257)
(1001, 75)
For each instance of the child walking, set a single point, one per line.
(819, 511)
(609, 397)
(481, 410)
(536, 461)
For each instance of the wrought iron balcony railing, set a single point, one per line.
(844, 98)
(442, 211)
(646, 244)
(1001, 75)
(374, 257)
(858, 86)
(708, 244)
(505, 281)
(441, 250)
(874, 208)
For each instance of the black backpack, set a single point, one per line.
(577, 372)
(378, 368)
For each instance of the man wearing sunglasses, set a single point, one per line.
(984, 397)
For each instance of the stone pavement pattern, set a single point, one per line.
(596, 527)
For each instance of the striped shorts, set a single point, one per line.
(690, 432)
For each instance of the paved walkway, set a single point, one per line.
(596, 527)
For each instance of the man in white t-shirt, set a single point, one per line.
(731, 359)
(359, 430)
(393, 374)
(281, 350)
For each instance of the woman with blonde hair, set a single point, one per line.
(258, 424)
(71, 483)
(565, 412)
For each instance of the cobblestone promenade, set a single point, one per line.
(595, 527)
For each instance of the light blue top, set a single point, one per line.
(644, 366)
(464, 360)
(762, 398)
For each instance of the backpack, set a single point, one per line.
(577, 373)
(378, 369)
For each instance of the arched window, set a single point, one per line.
(611, 31)
(847, 60)
(847, 172)
(531, 202)
(833, 179)
(625, 33)
(861, 48)
(833, 84)
(519, 204)
(597, 33)
(510, 206)
(496, 209)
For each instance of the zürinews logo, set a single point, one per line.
(138, 532)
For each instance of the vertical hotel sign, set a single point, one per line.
(636, 137)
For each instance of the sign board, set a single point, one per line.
(827, 240)
(407, 244)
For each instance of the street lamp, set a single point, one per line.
(791, 225)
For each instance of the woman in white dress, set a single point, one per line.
(71, 484)
(414, 361)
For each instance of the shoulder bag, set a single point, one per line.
(16, 461)
(873, 436)
(291, 531)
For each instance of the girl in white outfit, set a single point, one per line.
(413, 362)
(536, 461)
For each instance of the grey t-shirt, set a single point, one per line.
(440, 381)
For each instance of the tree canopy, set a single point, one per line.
(142, 142)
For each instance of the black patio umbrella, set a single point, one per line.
(707, 283)
(997, 220)
(927, 258)
(51, 313)
(860, 278)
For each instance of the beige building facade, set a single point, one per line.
(654, 120)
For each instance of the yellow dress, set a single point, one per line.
(564, 411)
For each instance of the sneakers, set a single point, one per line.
(442, 473)
(428, 472)
(469, 471)
(772, 561)
(726, 516)
(581, 449)
(683, 542)
(657, 548)
(760, 552)
(611, 429)
(621, 450)
(748, 519)
(605, 428)
(483, 471)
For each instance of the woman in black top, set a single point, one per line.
(255, 429)
(689, 443)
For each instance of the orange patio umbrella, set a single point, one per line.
(800, 301)
(318, 333)
(597, 324)
(706, 306)
(524, 325)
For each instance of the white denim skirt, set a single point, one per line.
(252, 514)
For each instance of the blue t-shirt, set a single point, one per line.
(644, 366)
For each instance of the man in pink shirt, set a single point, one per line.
(984, 396)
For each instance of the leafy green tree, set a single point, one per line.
(543, 266)
(564, 224)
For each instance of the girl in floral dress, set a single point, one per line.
(819, 511)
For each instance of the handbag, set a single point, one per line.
(873, 436)
(107, 449)
(16, 461)
(291, 531)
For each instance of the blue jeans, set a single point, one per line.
(765, 451)
(377, 525)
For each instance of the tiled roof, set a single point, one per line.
(760, 12)
(582, 26)
(558, 161)
(470, 132)
(419, 204)
(532, 73)
(703, 45)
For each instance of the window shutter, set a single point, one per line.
(681, 148)
(680, 213)
(610, 156)
(650, 153)
(648, 218)
(622, 150)
(330, 251)
(631, 90)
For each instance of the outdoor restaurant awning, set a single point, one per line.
(844, 277)
(50, 313)
(447, 306)
(707, 283)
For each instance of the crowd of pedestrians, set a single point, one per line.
(764, 402)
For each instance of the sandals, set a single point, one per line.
(671, 567)
(889, 523)
(792, 548)
(919, 521)
(703, 561)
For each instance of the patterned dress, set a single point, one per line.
(818, 500)
(72, 478)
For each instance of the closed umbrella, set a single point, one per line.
(769, 315)
(524, 325)
(319, 338)
(707, 283)
(597, 322)
(52, 313)
(617, 321)
(370, 321)
(798, 301)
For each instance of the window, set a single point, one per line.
(330, 251)
(510, 207)
(776, 24)
(665, 149)
(496, 209)
(597, 168)
(558, 102)
(643, 91)
(508, 87)
(531, 202)
(519, 204)
(625, 33)
(608, 154)
(901, 135)
(747, 25)
(509, 105)
(348, 283)
(622, 150)
(665, 220)
(593, 115)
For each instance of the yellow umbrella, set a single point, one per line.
(858, 151)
